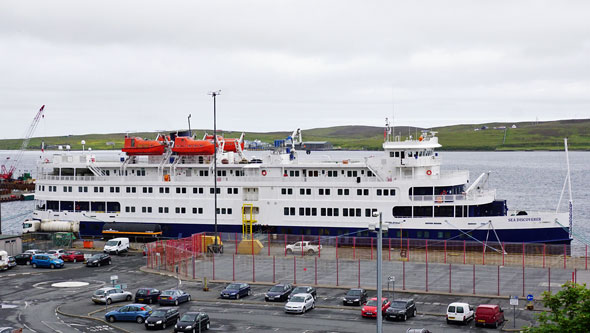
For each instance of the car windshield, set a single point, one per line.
(300, 290)
(95, 257)
(159, 313)
(276, 288)
(99, 292)
(398, 305)
(233, 286)
(372, 303)
(297, 299)
(142, 292)
(189, 317)
(112, 243)
(168, 293)
(354, 293)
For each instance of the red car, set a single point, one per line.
(370, 308)
(73, 256)
(489, 314)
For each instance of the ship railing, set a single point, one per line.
(454, 197)
(442, 175)
(285, 179)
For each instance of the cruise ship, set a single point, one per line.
(168, 185)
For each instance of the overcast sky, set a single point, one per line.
(117, 66)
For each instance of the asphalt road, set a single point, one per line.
(30, 301)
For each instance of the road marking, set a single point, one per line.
(30, 329)
(435, 303)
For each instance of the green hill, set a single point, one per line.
(526, 136)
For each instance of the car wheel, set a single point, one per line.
(98, 264)
(310, 252)
(289, 251)
(405, 317)
(448, 321)
(109, 301)
(238, 296)
(150, 301)
(176, 302)
(139, 320)
(249, 292)
(313, 305)
(164, 325)
(128, 298)
(112, 319)
(74, 259)
(34, 265)
(52, 266)
(496, 325)
(415, 312)
(207, 326)
(189, 298)
(109, 262)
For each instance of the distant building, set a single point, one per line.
(513, 126)
(476, 129)
(501, 127)
(314, 145)
(11, 244)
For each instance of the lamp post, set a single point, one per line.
(379, 229)
(214, 94)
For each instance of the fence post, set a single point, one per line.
(253, 268)
(446, 252)
(285, 245)
(522, 281)
(233, 266)
(389, 249)
(498, 280)
(273, 269)
(336, 247)
(316, 271)
(319, 247)
(213, 256)
(359, 274)
(464, 252)
(575, 275)
(268, 244)
(408, 250)
(564, 256)
(371, 248)
(473, 279)
(450, 273)
(353, 247)
(294, 270)
(522, 254)
(337, 269)
(302, 245)
(193, 266)
(403, 275)
(503, 252)
(252, 244)
(483, 252)
(544, 245)
(236, 238)
(586, 257)
(549, 278)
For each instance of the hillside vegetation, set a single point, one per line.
(527, 136)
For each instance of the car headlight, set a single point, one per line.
(356, 300)
(188, 327)
(159, 322)
(232, 293)
(265, 295)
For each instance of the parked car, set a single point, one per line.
(174, 297)
(370, 308)
(459, 312)
(109, 295)
(418, 330)
(3, 260)
(279, 292)
(116, 245)
(11, 262)
(300, 303)
(98, 260)
(34, 251)
(489, 314)
(162, 317)
(401, 309)
(304, 290)
(354, 296)
(308, 248)
(73, 256)
(131, 312)
(192, 322)
(147, 295)
(23, 258)
(236, 290)
(46, 260)
(57, 253)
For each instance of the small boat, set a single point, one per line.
(229, 144)
(138, 146)
(184, 145)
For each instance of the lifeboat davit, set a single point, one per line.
(139, 146)
(185, 145)
(228, 144)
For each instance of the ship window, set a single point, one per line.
(402, 211)
(391, 154)
(344, 211)
(379, 191)
(336, 211)
(358, 212)
(127, 209)
(212, 190)
(314, 211)
(301, 211)
(286, 211)
(422, 211)
(143, 209)
(458, 211)
(323, 211)
(307, 211)
(160, 210)
(439, 234)
(419, 234)
(443, 211)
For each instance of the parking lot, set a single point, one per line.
(30, 301)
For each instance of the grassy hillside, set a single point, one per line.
(527, 136)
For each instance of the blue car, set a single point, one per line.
(173, 297)
(46, 260)
(132, 312)
(236, 290)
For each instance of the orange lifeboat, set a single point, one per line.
(229, 144)
(184, 145)
(139, 146)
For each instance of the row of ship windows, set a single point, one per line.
(240, 173)
(313, 211)
(340, 191)
(131, 189)
(178, 210)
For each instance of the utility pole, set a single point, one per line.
(214, 94)
(190, 134)
(379, 229)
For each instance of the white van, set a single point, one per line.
(116, 245)
(3, 260)
(459, 312)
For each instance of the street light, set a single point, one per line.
(214, 94)
(379, 229)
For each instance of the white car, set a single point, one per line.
(35, 251)
(303, 248)
(300, 303)
(459, 312)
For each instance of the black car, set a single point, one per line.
(192, 322)
(147, 295)
(354, 296)
(279, 292)
(99, 260)
(236, 290)
(11, 262)
(304, 290)
(401, 309)
(23, 258)
(161, 318)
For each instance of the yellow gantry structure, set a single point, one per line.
(247, 220)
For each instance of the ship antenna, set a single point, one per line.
(567, 182)
(190, 134)
(214, 95)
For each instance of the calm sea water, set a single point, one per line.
(527, 180)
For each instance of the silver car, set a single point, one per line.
(109, 295)
(300, 303)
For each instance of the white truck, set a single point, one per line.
(308, 248)
(50, 226)
(116, 245)
(460, 313)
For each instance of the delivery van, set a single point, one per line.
(116, 245)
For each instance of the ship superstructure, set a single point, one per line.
(175, 190)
